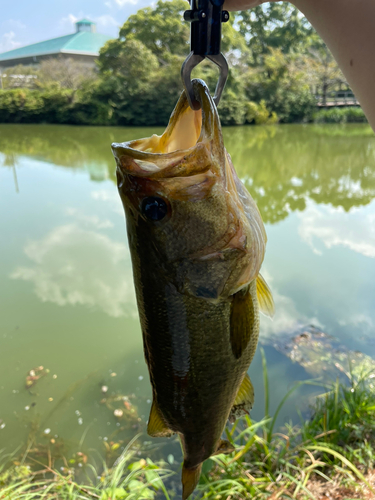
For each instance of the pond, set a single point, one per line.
(66, 292)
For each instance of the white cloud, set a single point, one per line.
(8, 42)
(287, 318)
(73, 266)
(120, 4)
(110, 197)
(68, 22)
(89, 220)
(105, 21)
(14, 24)
(354, 230)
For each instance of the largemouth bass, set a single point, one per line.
(197, 243)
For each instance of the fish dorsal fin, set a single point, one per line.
(190, 478)
(244, 400)
(224, 447)
(156, 426)
(241, 321)
(264, 296)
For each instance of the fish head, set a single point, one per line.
(187, 212)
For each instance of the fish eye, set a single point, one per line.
(154, 208)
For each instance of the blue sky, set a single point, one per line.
(23, 22)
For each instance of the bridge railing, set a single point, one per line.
(339, 99)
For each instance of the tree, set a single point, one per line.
(323, 72)
(129, 60)
(160, 29)
(274, 25)
(66, 73)
(282, 84)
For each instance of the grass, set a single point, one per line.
(140, 480)
(333, 450)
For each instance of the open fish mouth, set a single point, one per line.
(186, 148)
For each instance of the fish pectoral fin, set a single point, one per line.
(264, 296)
(244, 400)
(224, 447)
(156, 426)
(190, 478)
(241, 321)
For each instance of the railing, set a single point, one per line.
(338, 99)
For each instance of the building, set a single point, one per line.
(83, 45)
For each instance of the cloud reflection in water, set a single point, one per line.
(354, 230)
(74, 266)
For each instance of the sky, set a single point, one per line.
(23, 22)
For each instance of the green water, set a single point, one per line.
(66, 292)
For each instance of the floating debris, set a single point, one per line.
(113, 374)
(104, 389)
(47, 431)
(34, 375)
(122, 408)
(322, 354)
(2, 424)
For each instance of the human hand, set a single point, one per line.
(243, 4)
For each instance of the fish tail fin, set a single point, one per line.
(190, 478)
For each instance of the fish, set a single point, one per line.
(197, 242)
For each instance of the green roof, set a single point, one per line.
(85, 21)
(83, 42)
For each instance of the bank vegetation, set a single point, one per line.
(279, 68)
(329, 455)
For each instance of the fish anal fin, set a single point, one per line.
(190, 479)
(224, 447)
(264, 296)
(156, 426)
(241, 321)
(244, 400)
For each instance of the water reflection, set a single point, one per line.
(283, 167)
(65, 263)
(75, 266)
(356, 231)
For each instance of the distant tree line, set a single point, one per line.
(278, 65)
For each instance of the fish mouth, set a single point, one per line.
(186, 148)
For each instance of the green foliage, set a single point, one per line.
(276, 62)
(259, 114)
(274, 25)
(232, 110)
(160, 29)
(340, 115)
(129, 60)
(337, 440)
(139, 480)
(280, 83)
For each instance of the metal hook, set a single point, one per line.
(190, 63)
(206, 17)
